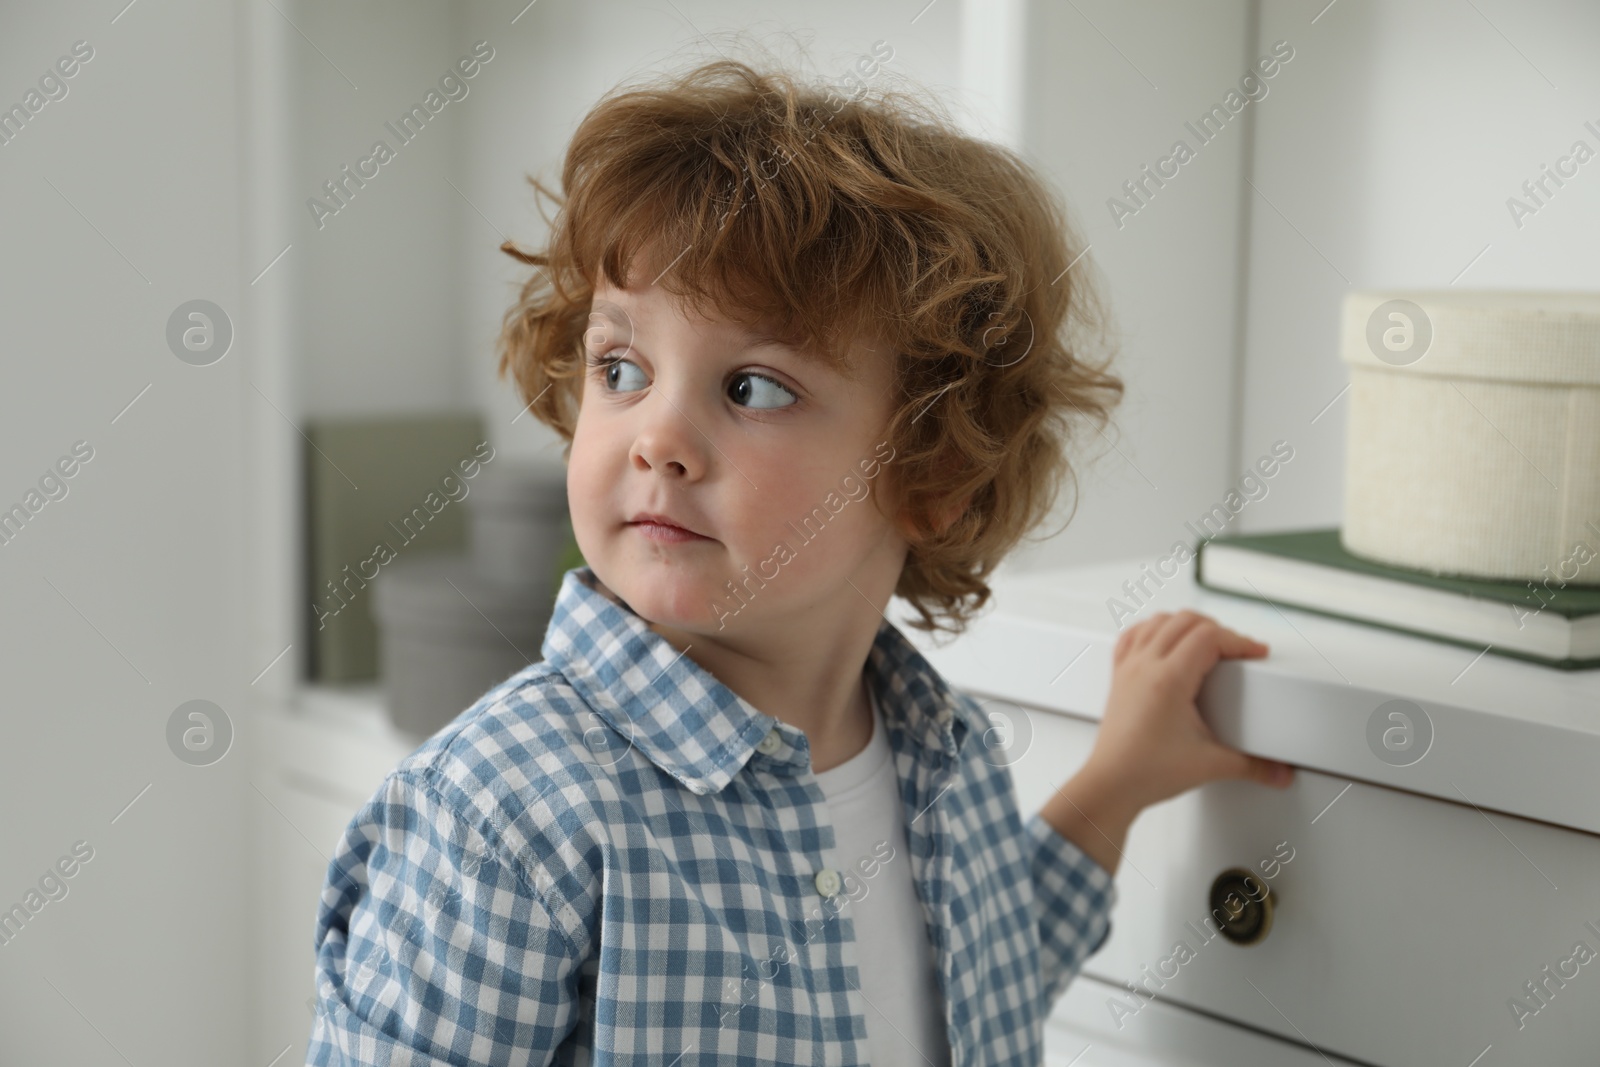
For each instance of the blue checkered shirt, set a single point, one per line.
(613, 858)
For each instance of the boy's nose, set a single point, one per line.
(668, 440)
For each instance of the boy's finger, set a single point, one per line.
(1203, 645)
(1231, 642)
(1143, 632)
(1237, 644)
(1271, 772)
(1259, 769)
(1175, 628)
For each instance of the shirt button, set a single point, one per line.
(769, 744)
(827, 881)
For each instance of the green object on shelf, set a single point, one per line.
(369, 483)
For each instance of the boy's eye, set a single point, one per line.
(611, 371)
(759, 391)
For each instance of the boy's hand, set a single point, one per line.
(1153, 744)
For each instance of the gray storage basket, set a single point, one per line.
(518, 523)
(447, 635)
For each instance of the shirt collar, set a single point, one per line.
(689, 724)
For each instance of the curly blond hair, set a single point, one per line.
(832, 217)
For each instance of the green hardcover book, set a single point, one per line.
(377, 489)
(1554, 622)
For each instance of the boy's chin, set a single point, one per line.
(682, 598)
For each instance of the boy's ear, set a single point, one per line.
(955, 511)
(952, 512)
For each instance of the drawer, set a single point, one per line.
(1050, 641)
(1405, 928)
(1081, 1034)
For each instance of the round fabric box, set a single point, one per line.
(1473, 443)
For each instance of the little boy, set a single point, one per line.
(807, 353)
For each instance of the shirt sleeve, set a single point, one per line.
(431, 947)
(1073, 896)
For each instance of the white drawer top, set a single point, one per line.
(1507, 735)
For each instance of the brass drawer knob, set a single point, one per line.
(1241, 904)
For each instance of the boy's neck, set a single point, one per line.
(849, 739)
(819, 687)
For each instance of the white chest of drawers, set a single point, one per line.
(1422, 898)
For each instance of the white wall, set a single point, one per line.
(377, 283)
(1109, 88)
(129, 596)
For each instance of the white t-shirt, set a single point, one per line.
(897, 963)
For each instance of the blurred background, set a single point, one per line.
(218, 397)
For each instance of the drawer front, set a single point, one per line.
(1404, 930)
(1081, 1034)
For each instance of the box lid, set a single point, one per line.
(1535, 336)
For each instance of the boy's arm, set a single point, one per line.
(432, 950)
(1152, 745)
(1073, 895)
(1093, 815)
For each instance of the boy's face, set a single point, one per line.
(768, 455)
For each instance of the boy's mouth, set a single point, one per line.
(661, 528)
